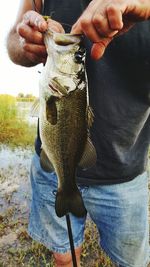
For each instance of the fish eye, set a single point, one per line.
(79, 56)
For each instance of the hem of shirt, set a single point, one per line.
(51, 247)
(91, 181)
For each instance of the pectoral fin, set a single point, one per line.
(34, 111)
(90, 116)
(46, 165)
(89, 156)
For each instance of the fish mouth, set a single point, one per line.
(51, 32)
(65, 38)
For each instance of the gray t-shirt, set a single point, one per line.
(119, 91)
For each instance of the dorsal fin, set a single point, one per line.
(89, 156)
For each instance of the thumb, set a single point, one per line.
(76, 29)
(98, 49)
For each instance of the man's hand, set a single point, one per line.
(102, 20)
(31, 30)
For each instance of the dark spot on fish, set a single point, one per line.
(51, 110)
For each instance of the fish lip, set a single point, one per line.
(65, 38)
(65, 34)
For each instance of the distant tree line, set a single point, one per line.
(25, 97)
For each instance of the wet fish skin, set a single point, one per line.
(63, 123)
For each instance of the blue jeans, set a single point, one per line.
(120, 212)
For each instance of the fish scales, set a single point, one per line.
(63, 117)
(67, 138)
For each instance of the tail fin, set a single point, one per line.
(71, 202)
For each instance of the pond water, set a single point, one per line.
(15, 166)
(14, 178)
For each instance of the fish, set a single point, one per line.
(65, 118)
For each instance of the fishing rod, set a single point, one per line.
(74, 261)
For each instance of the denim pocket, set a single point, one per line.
(44, 185)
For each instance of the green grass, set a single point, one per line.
(8, 109)
(14, 131)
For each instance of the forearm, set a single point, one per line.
(15, 50)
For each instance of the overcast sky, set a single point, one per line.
(14, 79)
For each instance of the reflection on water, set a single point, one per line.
(14, 178)
(24, 112)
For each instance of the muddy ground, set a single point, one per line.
(16, 247)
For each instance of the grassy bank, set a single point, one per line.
(23, 251)
(13, 130)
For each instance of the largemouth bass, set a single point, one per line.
(63, 118)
